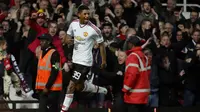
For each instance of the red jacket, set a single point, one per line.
(136, 86)
(56, 41)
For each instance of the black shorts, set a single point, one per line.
(79, 72)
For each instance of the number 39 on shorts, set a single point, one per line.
(76, 75)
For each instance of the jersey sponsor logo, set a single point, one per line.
(79, 38)
(85, 34)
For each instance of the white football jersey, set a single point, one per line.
(84, 38)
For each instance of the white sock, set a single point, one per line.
(67, 102)
(89, 87)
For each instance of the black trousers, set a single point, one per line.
(49, 102)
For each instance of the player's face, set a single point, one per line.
(84, 16)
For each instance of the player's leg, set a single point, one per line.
(76, 78)
(69, 96)
(89, 87)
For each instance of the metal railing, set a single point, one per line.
(184, 5)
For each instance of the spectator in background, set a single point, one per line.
(145, 29)
(147, 13)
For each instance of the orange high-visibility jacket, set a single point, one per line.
(44, 72)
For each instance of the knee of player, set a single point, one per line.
(79, 87)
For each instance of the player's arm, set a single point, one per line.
(70, 34)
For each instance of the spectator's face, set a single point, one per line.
(165, 41)
(147, 25)
(44, 44)
(54, 2)
(121, 57)
(53, 29)
(171, 4)
(168, 28)
(6, 26)
(62, 36)
(118, 10)
(26, 21)
(193, 16)
(84, 16)
(60, 21)
(196, 36)
(40, 21)
(107, 31)
(26, 11)
(43, 4)
(147, 7)
(179, 36)
(124, 29)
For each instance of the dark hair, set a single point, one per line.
(82, 7)
(164, 34)
(145, 20)
(196, 30)
(50, 22)
(6, 21)
(146, 2)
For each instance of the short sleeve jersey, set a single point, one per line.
(84, 38)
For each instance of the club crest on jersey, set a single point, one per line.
(85, 34)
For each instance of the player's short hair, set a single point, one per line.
(82, 7)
